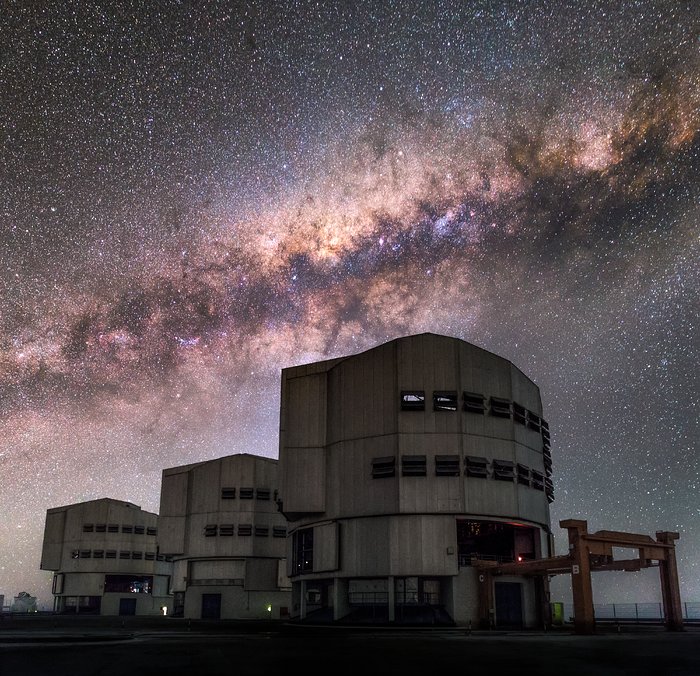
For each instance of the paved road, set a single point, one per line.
(245, 651)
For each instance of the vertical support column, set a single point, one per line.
(302, 600)
(391, 588)
(670, 589)
(487, 611)
(582, 590)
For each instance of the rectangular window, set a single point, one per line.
(112, 528)
(523, 475)
(413, 465)
(127, 529)
(383, 467)
(139, 530)
(98, 554)
(537, 480)
(85, 554)
(549, 489)
(210, 530)
(100, 528)
(476, 466)
(533, 421)
(150, 556)
(503, 470)
(111, 554)
(303, 551)
(124, 554)
(245, 529)
(447, 465)
(128, 584)
(151, 530)
(226, 529)
(279, 532)
(262, 531)
(500, 407)
(246, 493)
(444, 401)
(88, 528)
(228, 493)
(262, 494)
(473, 402)
(519, 413)
(412, 400)
(137, 555)
(160, 557)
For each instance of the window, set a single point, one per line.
(98, 554)
(279, 532)
(139, 530)
(383, 467)
(85, 554)
(111, 554)
(444, 401)
(303, 551)
(262, 494)
(88, 528)
(150, 556)
(245, 529)
(503, 470)
(124, 555)
(547, 459)
(447, 465)
(246, 494)
(523, 475)
(413, 465)
(413, 400)
(160, 557)
(476, 466)
(128, 584)
(210, 530)
(500, 407)
(100, 528)
(151, 530)
(544, 428)
(549, 489)
(537, 480)
(533, 421)
(226, 529)
(137, 555)
(473, 402)
(112, 528)
(127, 529)
(228, 493)
(519, 413)
(262, 531)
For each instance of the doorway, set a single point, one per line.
(211, 606)
(509, 604)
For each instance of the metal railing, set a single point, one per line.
(635, 612)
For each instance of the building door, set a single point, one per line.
(211, 606)
(127, 606)
(509, 604)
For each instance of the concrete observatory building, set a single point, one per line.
(402, 465)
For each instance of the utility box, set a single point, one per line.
(557, 613)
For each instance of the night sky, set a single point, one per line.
(194, 195)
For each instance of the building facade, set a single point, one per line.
(105, 559)
(220, 523)
(399, 467)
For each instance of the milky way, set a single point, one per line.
(196, 195)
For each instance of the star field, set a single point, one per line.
(196, 195)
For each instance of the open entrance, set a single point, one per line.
(127, 606)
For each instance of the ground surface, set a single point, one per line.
(167, 647)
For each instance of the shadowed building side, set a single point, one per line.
(220, 524)
(401, 465)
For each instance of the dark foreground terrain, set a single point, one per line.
(59, 646)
